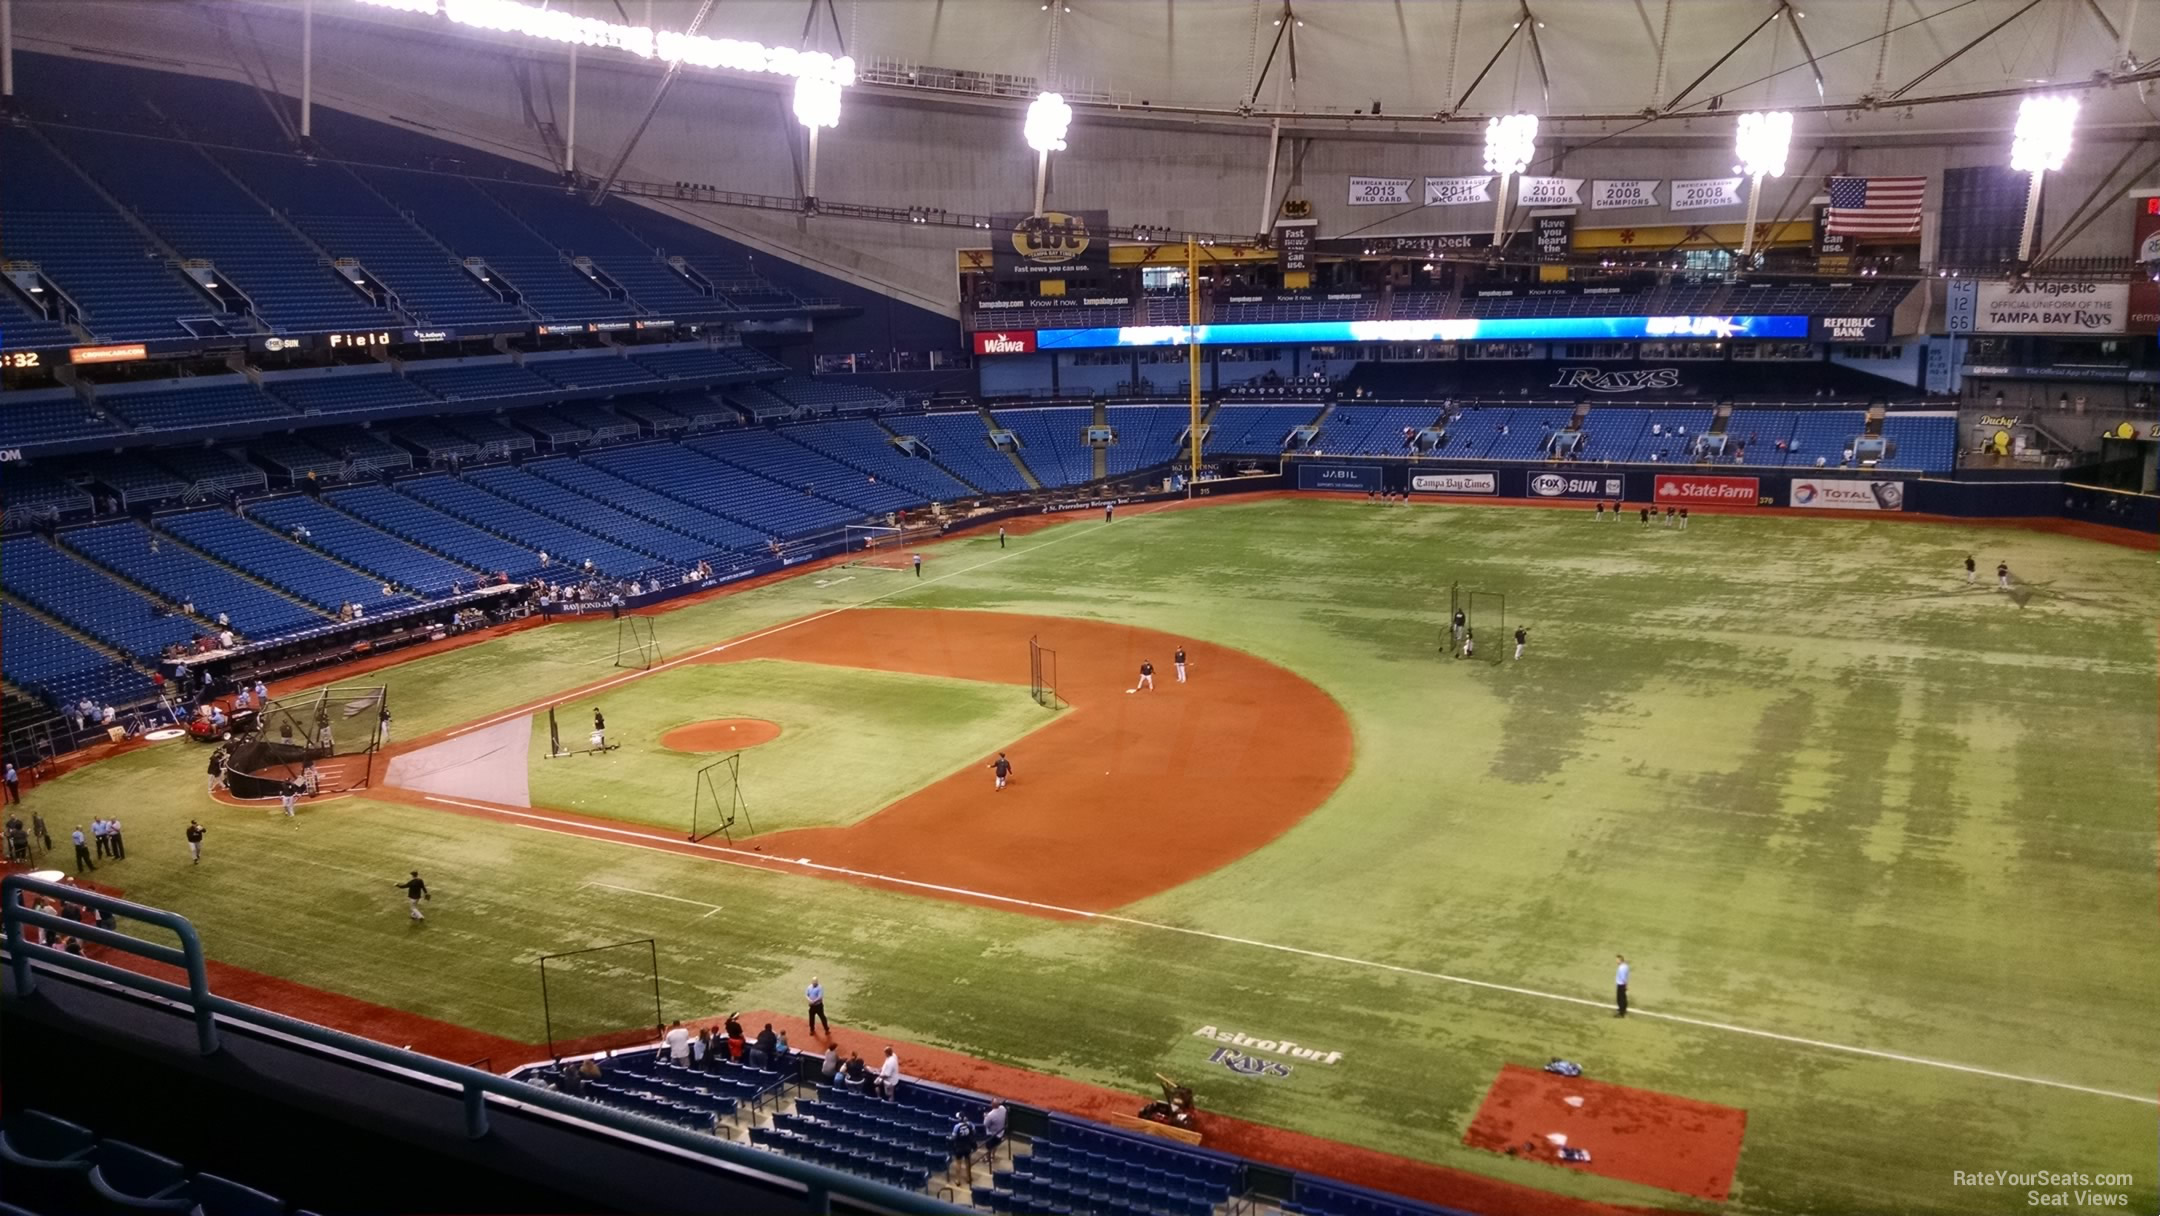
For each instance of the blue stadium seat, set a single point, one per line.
(865, 445)
(434, 531)
(690, 476)
(382, 555)
(347, 391)
(211, 404)
(960, 443)
(576, 510)
(717, 531)
(535, 532)
(45, 1161)
(133, 1179)
(272, 558)
(183, 577)
(1146, 435)
(470, 224)
(85, 598)
(772, 455)
(1053, 443)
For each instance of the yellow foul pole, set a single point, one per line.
(1192, 350)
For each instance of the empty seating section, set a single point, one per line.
(705, 254)
(887, 1141)
(757, 362)
(137, 482)
(695, 364)
(594, 419)
(86, 599)
(1662, 435)
(479, 382)
(434, 531)
(1313, 1197)
(704, 481)
(578, 229)
(347, 393)
(213, 470)
(592, 371)
(202, 214)
(1146, 435)
(383, 556)
(183, 577)
(960, 442)
(1256, 429)
(53, 419)
(27, 328)
(179, 409)
(1529, 434)
(1921, 441)
(60, 666)
(364, 449)
(825, 396)
(760, 402)
(1355, 427)
(435, 442)
(536, 532)
(576, 510)
(116, 275)
(497, 439)
(271, 558)
(470, 224)
(695, 1097)
(1053, 442)
(294, 457)
(717, 531)
(1760, 431)
(40, 493)
(56, 1166)
(1080, 1167)
(652, 417)
(769, 455)
(867, 446)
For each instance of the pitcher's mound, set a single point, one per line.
(720, 735)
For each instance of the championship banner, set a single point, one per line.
(1548, 191)
(1293, 245)
(1619, 195)
(1846, 494)
(1456, 191)
(1380, 191)
(1051, 245)
(2048, 306)
(1703, 192)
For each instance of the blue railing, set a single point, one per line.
(814, 1184)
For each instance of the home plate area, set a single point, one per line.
(1635, 1135)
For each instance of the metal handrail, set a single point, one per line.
(816, 1183)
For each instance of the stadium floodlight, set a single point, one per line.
(1762, 141)
(2039, 146)
(1047, 118)
(1510, 142)
(697, 50)
(817, 106)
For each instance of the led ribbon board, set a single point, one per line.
(1462, 329)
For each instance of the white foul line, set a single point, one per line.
(675, 846)
(695, 903)
(656, 668)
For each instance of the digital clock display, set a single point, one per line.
(21, 359)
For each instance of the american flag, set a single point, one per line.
(1875, 206)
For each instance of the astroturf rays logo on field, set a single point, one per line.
(1280, 1047)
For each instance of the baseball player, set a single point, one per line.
(2002, 576)
(1003, 768)
(918, 565)
(1469, 643)
(599, 731)
(1972, 570)
(194, 842)
(286, 794)
(1459, 624)
(415, 891)
(1147, 676)
(1522, 639)
(1179, 659)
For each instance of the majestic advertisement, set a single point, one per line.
(1706, 192)
(2050, 306)
(1698, 490)
(1567, 485)
(1360, 478)
(1858, 331)
(1455, 483)
(1380, 191)
(1051, 245)
(1456, 191)
(1548, 191)
(1005, 342)
(1846, 494)
(1619, 195)
(1457, 329)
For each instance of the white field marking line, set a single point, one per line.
(1112, 918)
(697, 903)
(657, 668)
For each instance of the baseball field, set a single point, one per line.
(1879, 845)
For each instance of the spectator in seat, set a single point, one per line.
(993, 1125)
(701, 1047)
(830, 1068)
(888, 1075)
(855, 1076)
(761, 1053)
(678, 1044)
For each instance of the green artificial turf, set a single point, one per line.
(1808, 781)
(851, 741)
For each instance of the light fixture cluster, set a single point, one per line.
(535, 21)
(1510, 143)
(2041, 142)
(1762, 143)
(817, 103)
(1047, 118)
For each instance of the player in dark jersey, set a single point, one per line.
(1179, 659)
(1522, 639)
(1147, 676)
(1003, 768)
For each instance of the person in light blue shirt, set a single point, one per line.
(815, 995)
(1620, 978)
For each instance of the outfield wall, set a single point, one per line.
(1835, 492)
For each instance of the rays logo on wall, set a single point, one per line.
(1632, 380)
(1247, 1066)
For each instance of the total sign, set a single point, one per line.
(1559, 485)
(1689, 490)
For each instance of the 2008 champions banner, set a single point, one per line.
(1617, 195)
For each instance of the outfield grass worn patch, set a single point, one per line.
(851, 742)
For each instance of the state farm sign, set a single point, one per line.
(1688, 490)
(1005, 342)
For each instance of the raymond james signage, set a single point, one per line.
(1630, 380)
(2046, 306)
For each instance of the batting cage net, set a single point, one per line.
(1484, 622)
(321, 741)
(1042, 673)
(601, 997)
(635, 644)
(717, 804)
